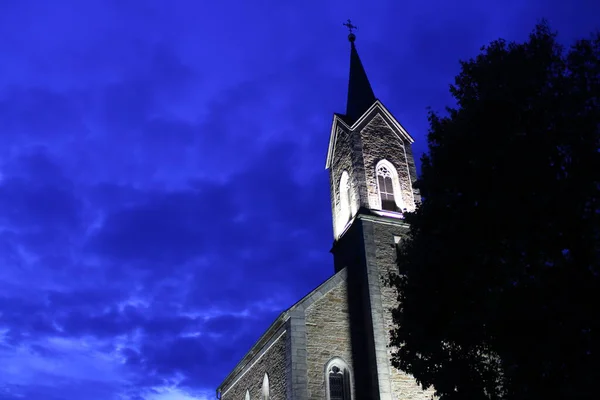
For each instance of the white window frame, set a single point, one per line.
(343, 366)
(395, 185)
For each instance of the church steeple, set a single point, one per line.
(370, 161)
(360, 93)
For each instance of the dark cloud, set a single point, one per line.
(106, 325)
(179, 354)
(38, 112)
(226, 325)
(83, 299)
(46, 205)
(170, 228)
(225, 341)
(34, 165)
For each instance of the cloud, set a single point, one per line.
(136, 208)
(38, 113)
(55, 365)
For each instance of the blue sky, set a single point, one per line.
(162, 186)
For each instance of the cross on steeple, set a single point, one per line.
(351, 36)
(348, 24)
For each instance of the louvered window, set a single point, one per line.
(339, 384)
(386, 189)
(336, 384)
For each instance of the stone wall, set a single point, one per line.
(358, 153)
(342, 161)
(412, 169)
(328, 336)
(380, 142)
(403, 386)
(272, 362)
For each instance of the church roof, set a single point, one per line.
(360, 93)
(273, 332)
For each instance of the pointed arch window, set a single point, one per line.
(338, 380)
(345, 209)
(265, 387)
(247, 395)
(387, 182)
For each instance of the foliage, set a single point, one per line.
(498, 283)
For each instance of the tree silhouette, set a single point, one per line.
(498, 277)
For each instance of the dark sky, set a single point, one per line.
(162, 186)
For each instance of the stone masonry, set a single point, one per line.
(369, 245)
(348, 317)
(342, 161)
(328, 336)
(380, 142)
(287, 351)
(403, 386)
(271, 362)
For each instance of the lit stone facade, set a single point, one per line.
(334, 343)
(296, 348)
(328, 336)
(343, 162)
(381, 143)
(271, 361)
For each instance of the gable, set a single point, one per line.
(320, 291)
(376, 109)
(278, 328)
(337, 123)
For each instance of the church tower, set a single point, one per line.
(333, 343)
(371, 173)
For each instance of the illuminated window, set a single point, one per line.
(265, 387)
(345, 211)
(339, 386)
(387, 180)
(247, 395)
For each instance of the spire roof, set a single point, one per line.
(360, 93)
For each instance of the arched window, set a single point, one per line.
(338, 380)
(265, 387)
(388, 186)
(247, 395)
(345, 211)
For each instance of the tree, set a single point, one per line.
(498, 277)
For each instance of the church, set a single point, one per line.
(334, 343)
